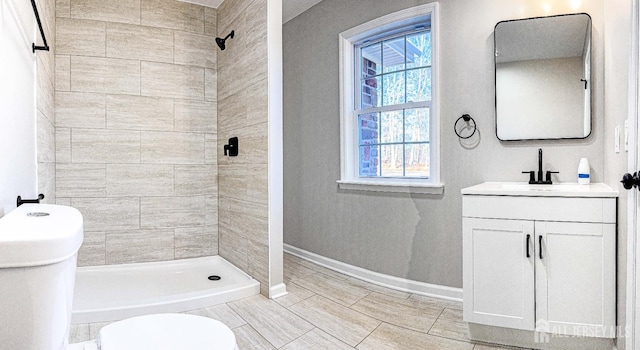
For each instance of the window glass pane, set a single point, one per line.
(419, 85)
(393, 54)
(417, 160)
(393, 89)
(416, 125)
(419, 50)
(368, 129)
(371, 89)
(371, 60)
(369, 160)
(391, 127)
(391, 160)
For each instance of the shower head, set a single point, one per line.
(220, 41)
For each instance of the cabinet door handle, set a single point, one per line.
(540, 246)
(528, 239)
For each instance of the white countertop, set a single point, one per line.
(561, 189)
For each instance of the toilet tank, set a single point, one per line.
(38, 249)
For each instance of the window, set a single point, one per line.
(389, 120)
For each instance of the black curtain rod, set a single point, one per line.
(44, 40)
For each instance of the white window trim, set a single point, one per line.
(348, 40)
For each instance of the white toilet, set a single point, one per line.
(38, 250)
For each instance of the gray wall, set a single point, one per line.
(411, 236)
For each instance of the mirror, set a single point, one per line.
(543, 78)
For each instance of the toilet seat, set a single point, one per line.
(167, 332)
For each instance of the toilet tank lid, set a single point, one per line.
(39, 234)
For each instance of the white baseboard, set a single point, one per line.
(277, 291)
(397, 283)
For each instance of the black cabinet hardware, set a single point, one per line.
(528, 239)
(540, 246)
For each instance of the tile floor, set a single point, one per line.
(328, 310)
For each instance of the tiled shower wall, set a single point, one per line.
(136, 126)
(243, 112)
(44, 103)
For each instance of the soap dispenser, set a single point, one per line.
(584, 172)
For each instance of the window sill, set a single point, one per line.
(391, 186)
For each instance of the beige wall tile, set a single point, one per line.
(210, 85)
(253, 145)
(46, 140)
(244, 182)
(63, 73)
(193, 242)
(195, 116)
(47, 182)
(132, 246)
(81, 180)
(230, 12)
(63, 145)
(258, 263)
(211, 210)
(105, 146)
(105, 75)
(139, 113)
(92, 251)
(124, 11)
(232, 244)
(44, 92)
(210, 148)
(171, 212)
(139, 42)
(133, 180)
(80, 37)
(210, 19)
(173, 14)
(80, 110)
(196, 180)
(274, 322)
(63, 201)
(63, 8)
(172, 148)
(109, 214)
(232, 112)
(195, 49)
(169, 80)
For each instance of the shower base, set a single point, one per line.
(115, 292)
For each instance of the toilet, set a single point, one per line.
(162, 332)
(39, 246)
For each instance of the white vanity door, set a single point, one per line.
(498, 275)
(575, 278)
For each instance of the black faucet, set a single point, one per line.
(540, 181)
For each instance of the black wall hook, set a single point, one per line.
(21, 201)
(466, 118)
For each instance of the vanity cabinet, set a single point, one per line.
(540, 263)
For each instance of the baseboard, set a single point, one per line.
(277, 291)
(397, 283)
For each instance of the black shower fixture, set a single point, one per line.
(220, 42)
